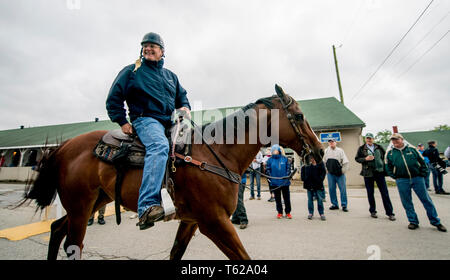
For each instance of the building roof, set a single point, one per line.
(329, 113)
(441, 137)
(317, 112)
(48, 135)
(414, 138)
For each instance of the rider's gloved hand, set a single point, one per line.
(188, 112)
(127, 128)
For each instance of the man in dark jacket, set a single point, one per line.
(152, 93)
(432, 154)
(407, 166)
(371, 157)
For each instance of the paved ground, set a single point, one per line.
(352, 235)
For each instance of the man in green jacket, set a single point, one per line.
(407, 167)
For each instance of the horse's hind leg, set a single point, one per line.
(77, 224)
(224, 235)
(58, 232)
(184, 235)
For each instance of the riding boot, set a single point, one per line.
(150, 216)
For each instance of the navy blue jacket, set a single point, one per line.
(151, 91)
(313, 176)
(278, 166)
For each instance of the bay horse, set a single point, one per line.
(203, 200)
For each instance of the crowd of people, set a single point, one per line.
(409, 166)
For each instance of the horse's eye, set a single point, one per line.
(299, 117)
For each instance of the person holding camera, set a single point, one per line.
(437, 167)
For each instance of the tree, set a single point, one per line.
(441, 127)
(383, 136)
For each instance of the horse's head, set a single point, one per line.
(294, 129)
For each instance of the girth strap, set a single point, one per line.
(120, 163)
(203, 165)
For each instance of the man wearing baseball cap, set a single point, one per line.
(336, 163)
(371, 157)
(407, 166)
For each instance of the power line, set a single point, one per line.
(423, 38)
(390, 53)
(425, 53)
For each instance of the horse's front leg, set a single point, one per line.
(224, 235)
(184, 235)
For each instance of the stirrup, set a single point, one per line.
(167, 204)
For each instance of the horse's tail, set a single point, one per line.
(43, 188)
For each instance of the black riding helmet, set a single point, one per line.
(153, 38)
(149, 38)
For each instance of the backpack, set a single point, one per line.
(334, 167)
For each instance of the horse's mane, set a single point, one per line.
(237, 116)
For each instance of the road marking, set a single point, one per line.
(25, 231)
(28, 230)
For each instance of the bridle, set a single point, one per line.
(306, 149)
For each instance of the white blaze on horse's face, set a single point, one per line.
(152, 52)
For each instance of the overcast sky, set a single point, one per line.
(59, 58)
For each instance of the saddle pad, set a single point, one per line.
(106, 153)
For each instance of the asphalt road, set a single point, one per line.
(351, 235)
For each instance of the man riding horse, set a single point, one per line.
(152, 93)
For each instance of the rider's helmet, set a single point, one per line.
(153, 38)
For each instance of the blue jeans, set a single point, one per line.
(340, 181)
(417, 184)
(438, 179)
(254, 175)
(320, 196)
(152, 134)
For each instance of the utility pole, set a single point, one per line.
(337, 75)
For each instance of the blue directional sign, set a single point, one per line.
(324, 137)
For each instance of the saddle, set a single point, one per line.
(115, 144)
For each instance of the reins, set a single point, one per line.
(271, 177)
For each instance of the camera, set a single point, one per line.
(439, 168)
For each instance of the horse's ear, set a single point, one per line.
(280, 92)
